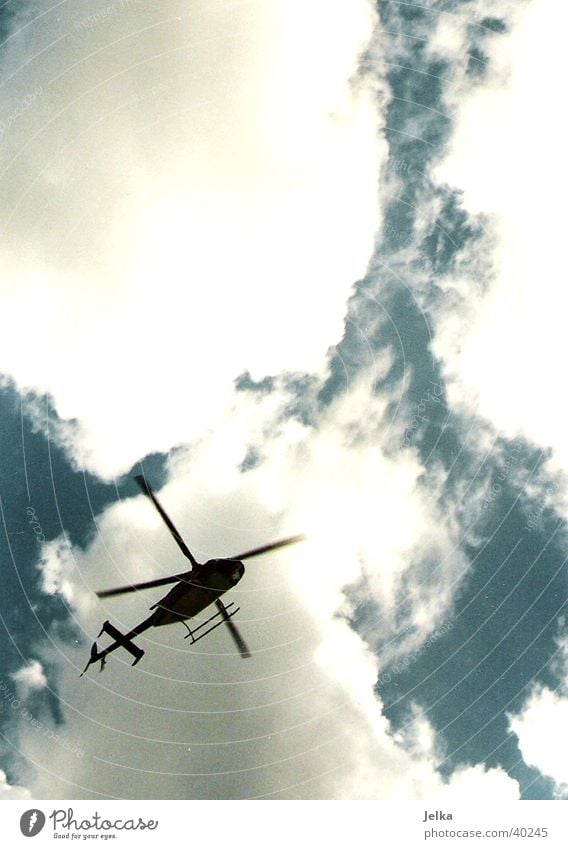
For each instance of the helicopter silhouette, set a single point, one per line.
(194, 590)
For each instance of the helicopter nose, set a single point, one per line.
(237, 571)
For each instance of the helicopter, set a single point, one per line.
(193, 591)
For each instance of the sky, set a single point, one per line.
(298, 263)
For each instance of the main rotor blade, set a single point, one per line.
(145, 585)
(235, 633)
(254, 552)
(145, 487)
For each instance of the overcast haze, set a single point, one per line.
(299, 263)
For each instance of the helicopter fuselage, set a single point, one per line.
(197, 590)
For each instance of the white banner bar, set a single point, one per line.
(267, 824)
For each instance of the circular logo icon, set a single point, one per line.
(32, 822)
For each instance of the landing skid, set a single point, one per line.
(191, 633)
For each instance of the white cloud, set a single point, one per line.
(29, 678)
(55, 564)
(503, 351)
(478, 784)
(474, 783)
(182, 196)
(11, 791)
(541, 730)
(412, 760)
